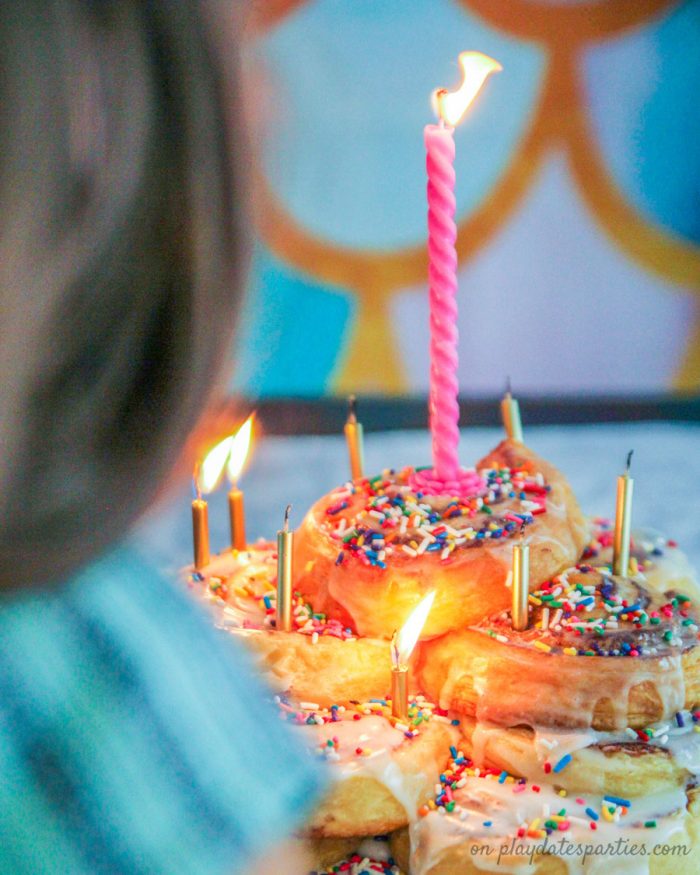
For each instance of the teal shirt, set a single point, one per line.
(134, 736)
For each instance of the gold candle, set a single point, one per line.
(285, 546)
(623, 521)
(510, 414)
(200, 532)
(354, 435)
(521, 585)
(207, 475)
(402, 646)
(236, 512)
(399, 692)
(240, 447)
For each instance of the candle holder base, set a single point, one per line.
(466, 484)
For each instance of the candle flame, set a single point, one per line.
(476, 68)
(240, 446)
(212, 466)
(405, 641)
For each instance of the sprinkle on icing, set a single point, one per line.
(357, 864)
(420, 711)
(461, 769)
(246, 588)
(587, 611)
(377, 518)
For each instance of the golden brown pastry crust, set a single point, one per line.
(481, 677)
(358, 803)
(469, 584)
(330, 671)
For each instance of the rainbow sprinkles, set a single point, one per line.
(377, 519)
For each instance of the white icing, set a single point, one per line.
(546, 744)
(551, 744)
(376, 735)
(670, 570)
(685, 749)
(481, 801)
(254, 569)
(372, 733)
(373, 849)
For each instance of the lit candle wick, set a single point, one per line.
(403, 644)
(395, 656)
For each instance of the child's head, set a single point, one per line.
(120, 264)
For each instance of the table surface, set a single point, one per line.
(298, 470)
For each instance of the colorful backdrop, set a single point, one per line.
(578, 175)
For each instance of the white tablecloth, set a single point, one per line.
(298, 470)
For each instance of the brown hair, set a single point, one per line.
(119, 265)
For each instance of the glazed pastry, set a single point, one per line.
(562, 737)
(366, 553)
(661, 757)
(483, 820)
(384, 770)
(583, 727)
(601, 652)
(322, 660)
(655, 560)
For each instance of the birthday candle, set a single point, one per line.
(510, 413)
(442, 235)
(240, 446)
(521, 585)
(354, 436)
(623, 521)
(206, 476)
(285, 547)
(200, 532)
(403, 644)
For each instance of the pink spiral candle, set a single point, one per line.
(442, 234)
